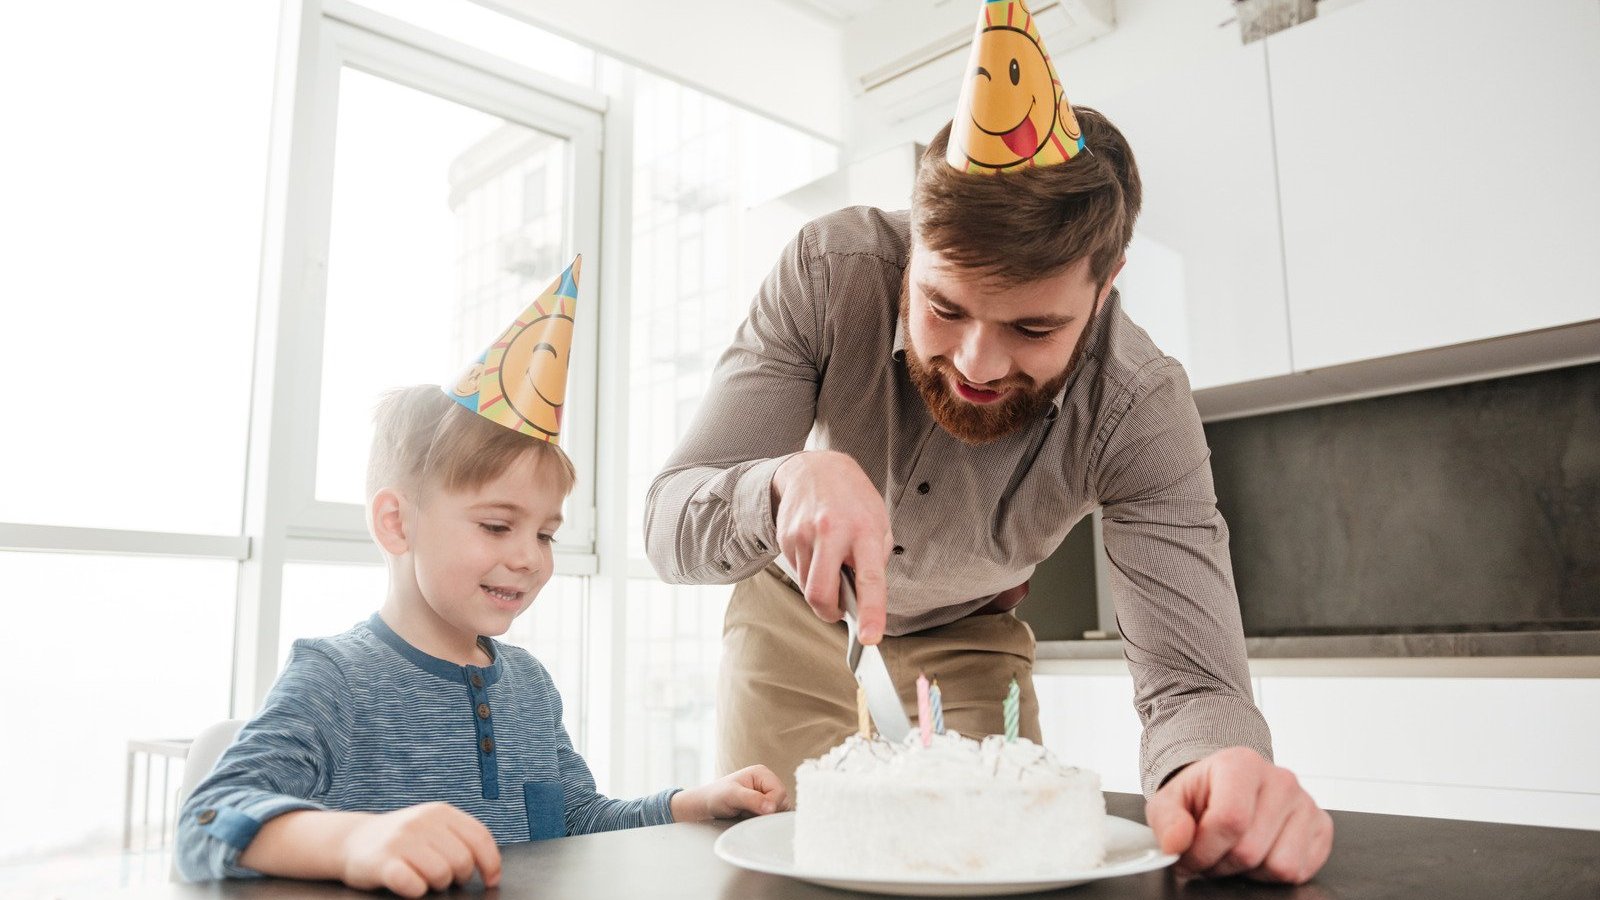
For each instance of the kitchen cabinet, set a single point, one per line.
(1438, 172)
(1517, 750)
(1205, 270)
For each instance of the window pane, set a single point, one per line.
(320, 599)
(100, 650)
(446, 223)
(668, 720)
(133, 175)
(699, 164)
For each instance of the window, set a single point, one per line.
(93, 659)
(133, 202)
(699, 164)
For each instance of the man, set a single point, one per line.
(971, 388)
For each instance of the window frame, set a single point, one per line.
(284, 521)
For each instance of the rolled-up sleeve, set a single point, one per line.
(281, 759)
(1172, 580)
(708, 515)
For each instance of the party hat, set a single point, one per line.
(521, 380)
(1013, 112)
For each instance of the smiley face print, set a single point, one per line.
(467, 384)
(534, 371)
(1012, 110)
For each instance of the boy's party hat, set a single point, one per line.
(521, 380)
(1013, 112)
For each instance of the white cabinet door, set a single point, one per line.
(1205, 271)
(1089, 721)
(1498, 749)
(1439, 165)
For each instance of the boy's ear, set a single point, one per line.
(388, 521)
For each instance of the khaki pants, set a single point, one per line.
(784, 694)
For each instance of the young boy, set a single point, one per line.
(401, 752)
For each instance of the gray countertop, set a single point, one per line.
(1375, 857)
(1477, 644)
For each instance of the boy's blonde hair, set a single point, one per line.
(424, 439)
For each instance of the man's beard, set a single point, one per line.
(973, 423)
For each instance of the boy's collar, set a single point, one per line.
(433, 665)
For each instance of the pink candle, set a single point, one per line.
(924, 710)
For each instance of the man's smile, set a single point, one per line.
(971, 394)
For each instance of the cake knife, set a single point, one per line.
(866, 663)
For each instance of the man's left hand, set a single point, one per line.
(1235, 813)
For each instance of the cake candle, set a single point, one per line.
(1013, 701)
(924, 710)
(863, 721)
(936, 703)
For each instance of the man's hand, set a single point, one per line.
(411, 850)
(829, 515)
(1235, 813)
(753, 790)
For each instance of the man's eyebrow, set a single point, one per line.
(1043, 321)
(1030, 322)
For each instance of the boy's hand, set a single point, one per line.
(753, 790)
(412, 850)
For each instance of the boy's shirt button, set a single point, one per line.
(477, 680)
(487, 744)
(206, 817)
(483, 710)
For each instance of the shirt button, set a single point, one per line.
(761, 545)
(206, 817)
(726, 566)
(483, 710)
(924, 487)
(898, 549)
(487, 744)
(477, 681)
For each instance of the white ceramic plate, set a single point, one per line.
(766, 844)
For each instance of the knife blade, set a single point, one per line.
(866, 663)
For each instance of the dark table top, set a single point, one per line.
(1374, 857)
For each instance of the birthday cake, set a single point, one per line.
(953, 807)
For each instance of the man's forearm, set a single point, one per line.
(707, 525)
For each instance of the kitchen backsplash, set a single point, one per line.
(1474, 507)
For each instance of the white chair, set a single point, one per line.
(202, 758)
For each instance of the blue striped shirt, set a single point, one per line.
(364, 721)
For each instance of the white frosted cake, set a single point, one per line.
(955, 808)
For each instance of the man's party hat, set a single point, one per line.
(1013, 112)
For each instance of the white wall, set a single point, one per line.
(766, 55)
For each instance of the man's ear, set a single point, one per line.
(387, 521)
(1111, 282)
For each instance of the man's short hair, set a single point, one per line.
(423, 439)
(1032, 223)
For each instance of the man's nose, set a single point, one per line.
(980, 358)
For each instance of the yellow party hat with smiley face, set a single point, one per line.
(521, 380)
(1013, 112)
